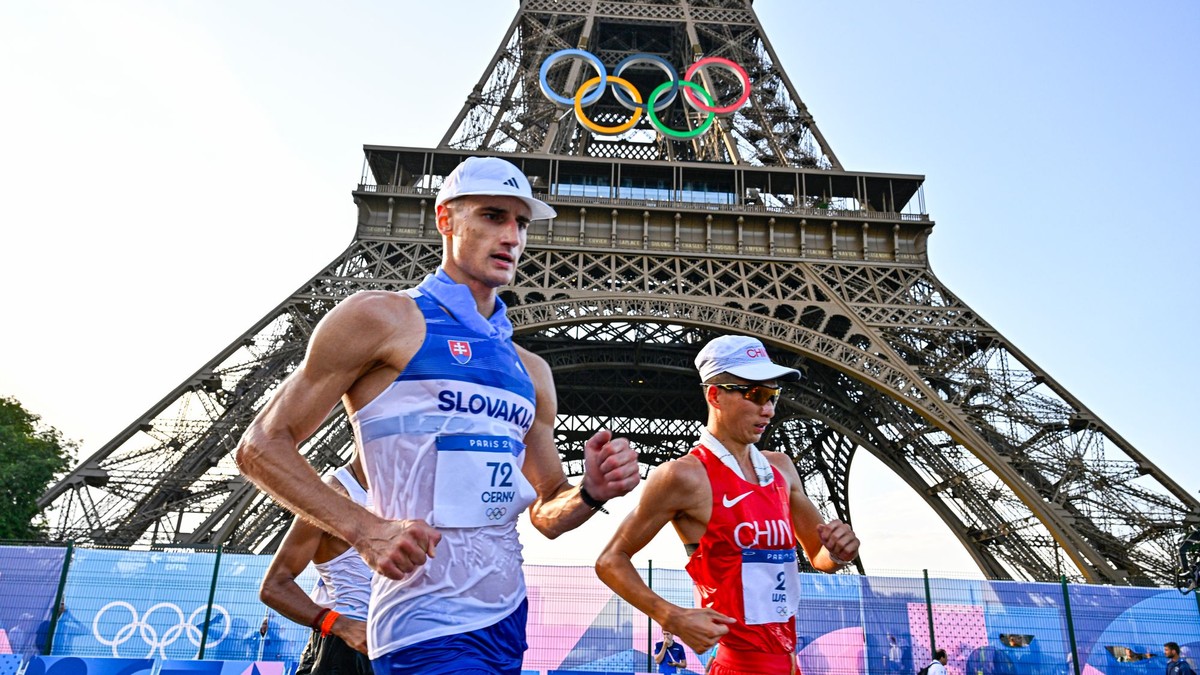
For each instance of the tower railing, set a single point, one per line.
(657, 203)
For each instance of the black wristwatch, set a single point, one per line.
(593, 503)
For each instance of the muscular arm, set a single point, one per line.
(818, 538)
(280, 592)
(354, 339)
(610, 465)
(674, 490)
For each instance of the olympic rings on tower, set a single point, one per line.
(694, 95)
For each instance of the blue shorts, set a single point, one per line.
(498, 649)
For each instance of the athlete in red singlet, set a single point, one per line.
(740, 513)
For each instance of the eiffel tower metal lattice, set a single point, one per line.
(752, 226)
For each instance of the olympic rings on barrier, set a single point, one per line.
(149, 633)
(628, 95)
(496, 513)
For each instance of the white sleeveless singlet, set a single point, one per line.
(444, 444)
(345, 583)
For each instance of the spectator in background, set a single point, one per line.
(265, 644)
(895, 655)
(938, 665)
(1176, 665)
(66, 629)
(711, 655)
(227, 642)
(669, 655)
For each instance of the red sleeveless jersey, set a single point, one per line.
(745, 564)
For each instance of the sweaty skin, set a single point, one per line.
(678, 492)
(361, 346)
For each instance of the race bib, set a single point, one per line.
(479, 481)
(770, 585)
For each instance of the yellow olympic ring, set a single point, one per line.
(618, 129)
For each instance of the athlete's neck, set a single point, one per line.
(740, 451)
(484, 295)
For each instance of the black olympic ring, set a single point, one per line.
(496, 513)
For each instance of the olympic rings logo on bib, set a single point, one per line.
(628, 95)
(496, 513)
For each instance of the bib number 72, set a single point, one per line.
(504, 470)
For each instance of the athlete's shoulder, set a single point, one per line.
(781, 461)
(380, 305)
(369, 329)
(684, 473)
(370, 313)
(678, 486)
(535, 365)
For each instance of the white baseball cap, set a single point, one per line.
(492, 176)
(743, 356)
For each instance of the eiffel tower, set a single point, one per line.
(674, 227)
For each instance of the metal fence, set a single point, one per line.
(187, 604)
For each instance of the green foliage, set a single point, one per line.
(31, 455)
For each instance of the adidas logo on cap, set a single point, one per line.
(492, 176)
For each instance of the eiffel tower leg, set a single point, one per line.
(991, 437)
(823, 422)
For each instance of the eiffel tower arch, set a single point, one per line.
(750, 225)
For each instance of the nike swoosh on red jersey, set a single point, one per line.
(729, 503)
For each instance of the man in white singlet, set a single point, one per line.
(455, 426)
(337, 611)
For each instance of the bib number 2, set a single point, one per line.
(770, 585)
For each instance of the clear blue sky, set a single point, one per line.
(171, 171)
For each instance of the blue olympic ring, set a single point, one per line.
(586, 56)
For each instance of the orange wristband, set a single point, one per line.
(327, 623)
(316, 622)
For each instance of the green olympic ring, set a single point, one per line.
(658, 124)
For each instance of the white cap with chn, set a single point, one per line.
(492, 176)
(742, 356)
